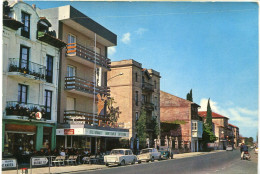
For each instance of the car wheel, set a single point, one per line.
(139, 162)
(152, 160)
(133, 162)
(107, 164)
(160, 158)
(122, 163)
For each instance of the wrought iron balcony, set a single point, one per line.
(74, 49)
(148, 106)
(79, 117)
(27, 68)
(27, 110)
(147, 87)
(84, 86)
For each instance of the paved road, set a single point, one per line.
(223, 162)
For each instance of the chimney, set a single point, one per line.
(34, 6)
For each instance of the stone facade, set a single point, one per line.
(133, 87)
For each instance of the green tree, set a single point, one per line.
(112, 112)
(209, 116)
(141, 129)
(189, 96)
(155, 127)
(208, 135)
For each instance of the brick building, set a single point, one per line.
(133, 87)
(175, 110)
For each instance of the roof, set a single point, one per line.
(214, 114)
(232, 125)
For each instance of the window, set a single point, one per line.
(136, 98)
(194, 126)
(48, 103)
(136, 116)
(155, 103)
(24, 58)
(98, 76)
(25, 30)
(71, 42)
(136, 77)
(154, 84)
(49, 67)
(71, 71)
(22, 93)
(71, 38)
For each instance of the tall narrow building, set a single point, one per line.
(132, 87)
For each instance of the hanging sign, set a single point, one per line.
(39, 161)
(38, 115)
(10, 163)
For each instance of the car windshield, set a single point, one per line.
(117, 152)
(146, 150)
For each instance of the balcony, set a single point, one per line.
(27, 70)
(79, 117)
(148, 106)
(147, 87)
(197, 128)
(27, 111)
(84, 87)
(79, 53)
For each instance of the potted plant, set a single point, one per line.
(13, 68)
(10, 110)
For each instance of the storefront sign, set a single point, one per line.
(38, 115)
(68, 131)
(8, 163)
(39, 161)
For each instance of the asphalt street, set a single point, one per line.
(224, 162)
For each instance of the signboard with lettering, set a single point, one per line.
(68, 131)
(39, 161)
(10, 163)
(38, 115)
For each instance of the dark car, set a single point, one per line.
(166, 154)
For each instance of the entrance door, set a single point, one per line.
(71, 42)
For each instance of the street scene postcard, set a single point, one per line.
(129, 87)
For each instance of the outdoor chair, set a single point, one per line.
(72, 159)
(86, 160)
(59, 160)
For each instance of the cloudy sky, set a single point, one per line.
(209, 47)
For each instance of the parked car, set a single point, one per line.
(229, 148)
(149, 154)
(120, 157)
(165, 153)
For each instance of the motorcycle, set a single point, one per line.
(246, 156)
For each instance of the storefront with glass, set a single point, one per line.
(22, 138)
(94, 139)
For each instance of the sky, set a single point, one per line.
(209, 47)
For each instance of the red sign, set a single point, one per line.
(68, 131)
(38, 115)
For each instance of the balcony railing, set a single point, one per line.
(88, 54)
(85, 86)
(149, 106)
(147, 86)
(79, 117)
(27, 68)
(14, 108)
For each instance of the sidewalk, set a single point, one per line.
(85, 167)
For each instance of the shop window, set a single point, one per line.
(48, 103)
(49, 69)
(25, 30)
(22, 93)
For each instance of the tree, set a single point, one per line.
(141, 129)
(208, 135)
(112, 112)
(155, 127)
(189, 96)
(209, 116)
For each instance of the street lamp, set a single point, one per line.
(120, 74)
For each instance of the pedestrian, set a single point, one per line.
(62, 153)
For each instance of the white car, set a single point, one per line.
(149, 154)
(120, 157)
